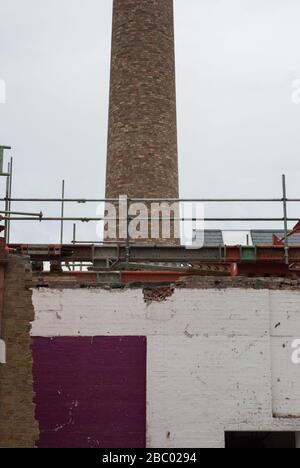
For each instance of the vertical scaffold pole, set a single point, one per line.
(62, 212)
(285, 217)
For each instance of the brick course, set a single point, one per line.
(18, 427)
(142, 159)
(142, 140)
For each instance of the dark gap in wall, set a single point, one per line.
(264, 440)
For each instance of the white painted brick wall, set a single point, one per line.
(217, 359)
(98, 312)
(205, 381)
(285, 313)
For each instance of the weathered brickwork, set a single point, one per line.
(142, 141)
(18, 427)
(142, 159)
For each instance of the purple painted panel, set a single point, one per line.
(90, 392)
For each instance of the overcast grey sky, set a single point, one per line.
(238, 128)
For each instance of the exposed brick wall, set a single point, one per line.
(142, 157)
(18, 427)
(142, 143)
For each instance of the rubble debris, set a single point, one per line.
(158, 294)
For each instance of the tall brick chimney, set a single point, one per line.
(142, 159)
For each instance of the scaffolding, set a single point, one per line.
(9, 216)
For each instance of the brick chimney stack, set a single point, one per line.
(142, 160)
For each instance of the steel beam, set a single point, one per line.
(162, 254)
